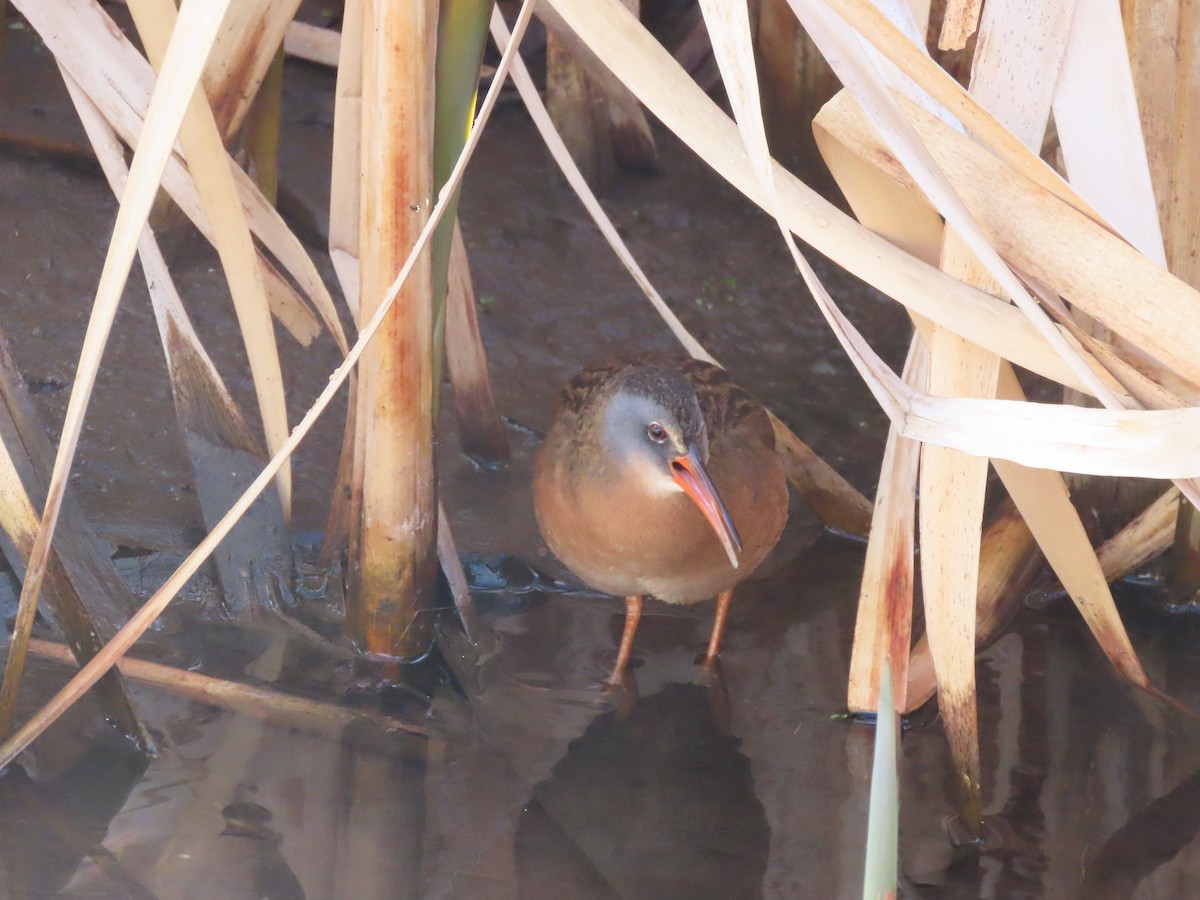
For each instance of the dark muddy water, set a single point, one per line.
(532, 783)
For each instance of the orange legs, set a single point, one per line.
(633, 615)
(714, 642)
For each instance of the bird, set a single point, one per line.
(658, 477)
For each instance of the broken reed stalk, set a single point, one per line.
(247, 699)
(204, 147)
(242, 58)
(796, 81)
(394, 569)
(597, 115)
(480, 429)
(883, 629)
(578, 117)
(222, 450)
(1008, 562)
(260, 131)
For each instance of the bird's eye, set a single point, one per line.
(656, 433)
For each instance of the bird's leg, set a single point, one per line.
(714, 642)
(633, 615)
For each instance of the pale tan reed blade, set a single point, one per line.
(1099, 131)
(834, 499)
(89, 674)
(480, 428)
(1165, 61)
(883, 628)
(1111, 436)
(912, 59)
(961, 20)
(345, 505)
(207, 160)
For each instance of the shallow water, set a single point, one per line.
(533, 783)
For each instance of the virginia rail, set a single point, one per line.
(659, 477)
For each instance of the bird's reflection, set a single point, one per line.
(655, 800)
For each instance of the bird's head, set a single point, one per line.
(655, 431)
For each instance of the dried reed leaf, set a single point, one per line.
(1014, 77)
(205, 386)
(220, 444)
(209, 165)
(624, 45)
(180, 89)
(20, 522)
(908, 53)
(961, 20)
(344, 197)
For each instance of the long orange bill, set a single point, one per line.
(689, 474)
